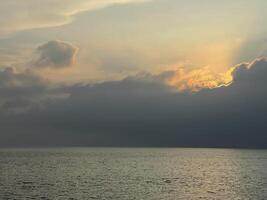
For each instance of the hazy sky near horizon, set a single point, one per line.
(133, 73)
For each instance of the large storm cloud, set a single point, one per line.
(141, 110)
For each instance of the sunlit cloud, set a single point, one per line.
(210, 67)
(198, 79)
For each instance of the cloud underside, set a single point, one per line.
(142, 110)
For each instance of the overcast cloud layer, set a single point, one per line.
(140, 110)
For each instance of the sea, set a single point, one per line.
(133, 174)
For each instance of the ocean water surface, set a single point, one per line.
(137, 173)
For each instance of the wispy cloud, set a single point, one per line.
(19, 15)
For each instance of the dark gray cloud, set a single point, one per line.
(23, 91)
(143, 111)
(55, 54)
(253, 48)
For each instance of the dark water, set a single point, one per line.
(106, 173)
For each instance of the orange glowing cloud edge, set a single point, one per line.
(198, 79)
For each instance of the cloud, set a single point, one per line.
(143, 110)
(198, 79)
(11, 80)
(251, 73)
(23, 91)
(55, 54)
(31, 14)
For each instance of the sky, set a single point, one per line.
(133, 73)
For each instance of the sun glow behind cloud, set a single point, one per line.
(198, 79)
(214, 69)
